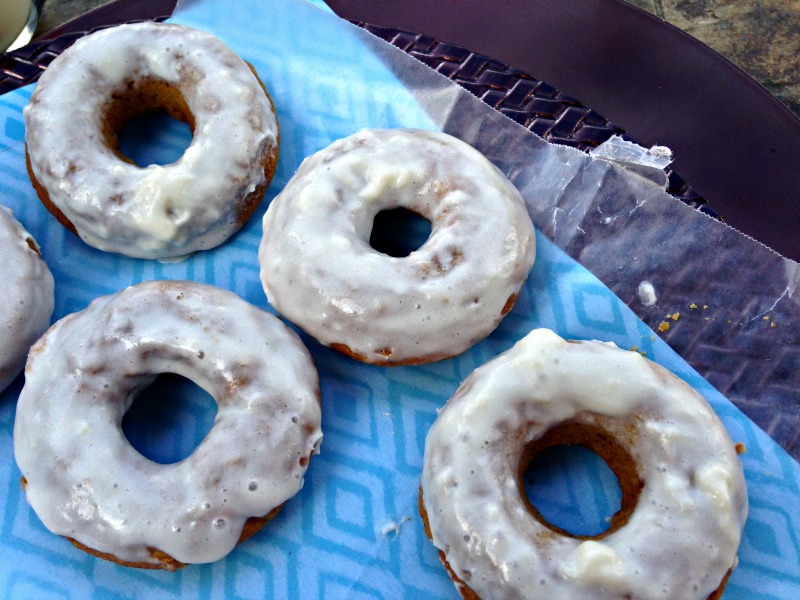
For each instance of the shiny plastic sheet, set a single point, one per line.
(732, 305)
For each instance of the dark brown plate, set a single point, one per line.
(733, 141)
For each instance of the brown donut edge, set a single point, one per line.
(163, 560)
(418, 360)
(467, 593)
(269, 160)
(170, 100)
(44, 196)
(606, 445)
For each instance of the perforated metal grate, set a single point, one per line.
(537, 106)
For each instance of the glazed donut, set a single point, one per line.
(27, 296)
(319, 270)
(86, 482)
(164, 212)
(684, 499)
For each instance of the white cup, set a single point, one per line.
(17, 23)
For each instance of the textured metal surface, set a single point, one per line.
(557, 117)
(25, 65)
(530, 102)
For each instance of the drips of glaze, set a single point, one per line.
(319, 270)
(164, 212)
(684, 532)
(85, 481)
(27, 296)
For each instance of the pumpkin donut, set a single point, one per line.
(319, 270)
(160, 212)
(87, 483)
(684, 500)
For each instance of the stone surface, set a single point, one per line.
(762, 37)
(53, 13)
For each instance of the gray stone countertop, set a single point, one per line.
(762, 37)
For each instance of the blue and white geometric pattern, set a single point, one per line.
(334, 539)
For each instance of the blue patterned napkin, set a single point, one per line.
(353, 531)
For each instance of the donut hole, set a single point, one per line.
(579, 481)
(169, 419)
(550, 483)
(398, 232)
(148, 123)
(154, 139)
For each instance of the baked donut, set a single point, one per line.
(164, 212)
(87, 483)
(684, 501)
(319, 270)
(27, 296)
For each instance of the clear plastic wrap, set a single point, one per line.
(726, 303)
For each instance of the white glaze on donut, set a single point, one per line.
(85, 481)
(27, 296)
(683, 534)
(163, 212)
(319, 270)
